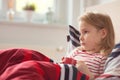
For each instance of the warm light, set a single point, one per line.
(41, 5)
(10, 4)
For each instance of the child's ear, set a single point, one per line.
(103, 33)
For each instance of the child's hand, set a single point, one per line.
(82, 67)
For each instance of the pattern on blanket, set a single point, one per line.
(69, 72)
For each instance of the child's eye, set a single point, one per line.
(85, 32)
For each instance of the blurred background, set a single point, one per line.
(42, 25)
(45, 11)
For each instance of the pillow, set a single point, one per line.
(73, 38)
(112, 66)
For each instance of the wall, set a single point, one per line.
(112, 9)
(48, 39)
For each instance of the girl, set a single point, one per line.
(96, 40)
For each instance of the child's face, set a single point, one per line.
(90, 37)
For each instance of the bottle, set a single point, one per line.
(49, 15)
(10, 14)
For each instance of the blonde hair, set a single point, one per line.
(100, 21)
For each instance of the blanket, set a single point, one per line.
(25, 64)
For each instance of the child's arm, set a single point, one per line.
(82, 67)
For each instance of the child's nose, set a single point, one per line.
(81, 37)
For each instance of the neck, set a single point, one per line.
(93, 51)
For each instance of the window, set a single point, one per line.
(0, 4)
(41, 6)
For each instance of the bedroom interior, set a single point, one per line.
(50, 38)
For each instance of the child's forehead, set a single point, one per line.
(84, 25)
(82, 28)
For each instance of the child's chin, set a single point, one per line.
(83, 47)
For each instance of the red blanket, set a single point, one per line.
(25, 64)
